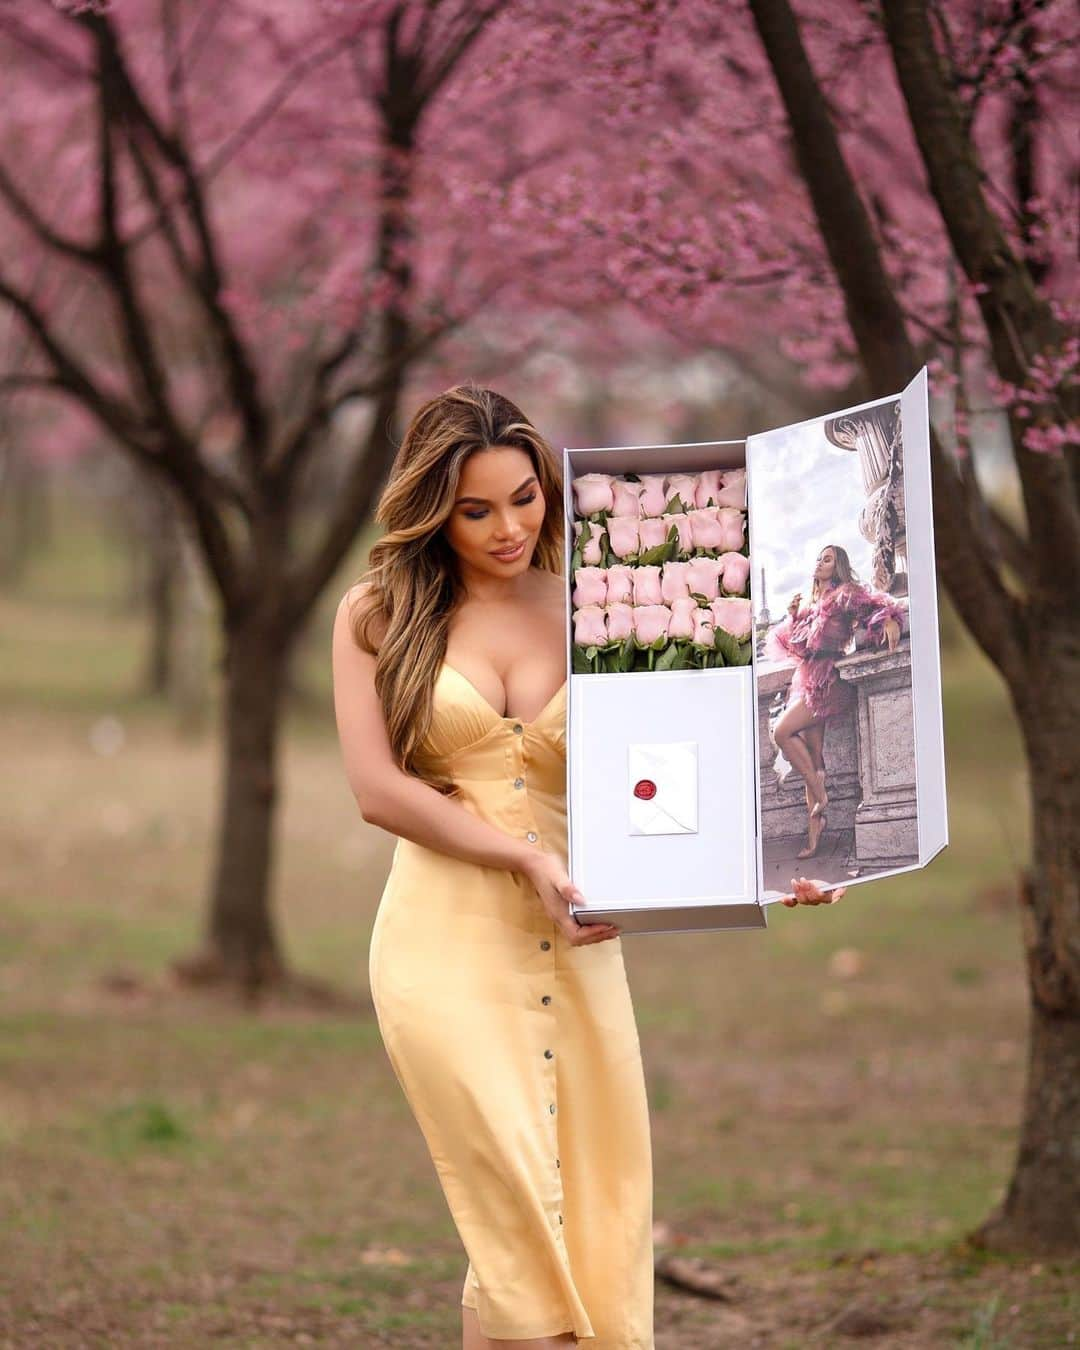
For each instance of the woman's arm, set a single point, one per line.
(390, 798)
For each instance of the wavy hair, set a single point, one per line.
(843, 572)
(413, 581)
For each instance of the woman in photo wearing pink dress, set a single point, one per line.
(815, 636)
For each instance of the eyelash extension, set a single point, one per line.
(478, 515)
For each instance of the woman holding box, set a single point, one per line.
(507, 1021)
(815, 636)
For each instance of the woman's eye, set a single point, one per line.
(478, 515)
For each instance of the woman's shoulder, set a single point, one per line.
(358, 600)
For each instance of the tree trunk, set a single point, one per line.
(1041, 1210)
(163, 564)
(241, 946)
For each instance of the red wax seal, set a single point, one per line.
(645, 788)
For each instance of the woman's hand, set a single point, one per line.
(812, 893)
(892, 633)
(796, 601)
(556, 890)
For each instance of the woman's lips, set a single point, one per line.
(510, 557)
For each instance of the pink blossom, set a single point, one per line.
(620, 623)
(592, 553)
(626, 497)
(623, 535)
(652, 531)
(736, 572)
(593, 492)
(591, 587)
(647, 586)
(733, 616)
(590, 626)
(733, 525)
(708, 488)
(733, 489)
(653, 496)
(650, 621)
(703, 576)
(682, 617)
(703, 635)
(673, 582)
(681, 521)
(705, 529)
(620, 584)
(685, 484)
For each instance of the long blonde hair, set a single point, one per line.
(414, 581)
(843, 572)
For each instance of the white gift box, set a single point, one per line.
(682, 814)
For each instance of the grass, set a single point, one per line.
(177, 1172)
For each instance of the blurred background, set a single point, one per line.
(240, 245)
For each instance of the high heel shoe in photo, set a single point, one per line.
(812, 847)
(818, 808)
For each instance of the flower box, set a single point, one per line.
(686, 801)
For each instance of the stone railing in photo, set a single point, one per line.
(869, 760)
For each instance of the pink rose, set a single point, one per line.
(673, 583)
(620, 622)
(652, 531)
(591, 587)
(705, 529)
(733, 616)
(733, 524)
(620, 584)
(650, 621)
(681, 521)
(653, 496)
(736, 572)
(626, 497)
(708, 489)
(592, 554)
(622, 532)
(733, 489)
(703, 576)
(685, 484)
(682, 617)
(589, 626)
(592, 493)
(704, 633)
(647, 586)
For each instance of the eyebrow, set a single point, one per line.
(484, 501)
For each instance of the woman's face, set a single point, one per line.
(826, 565)
(498, 506)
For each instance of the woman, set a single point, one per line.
(814, 637)
(508, 1022)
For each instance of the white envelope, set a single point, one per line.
(672, 767)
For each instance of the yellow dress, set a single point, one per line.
(517, 1051)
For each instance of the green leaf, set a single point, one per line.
(653, 556)
(579, 661)
(659, 642)
(667, 658)
(575, 558)
(626, 654)
(745, 652)
(675, 506)
(590, 653)
(727, 646)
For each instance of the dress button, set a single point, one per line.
(519, 782)
(546, 1000)
(551, 1108)
(548, 1054)
(545, 945)
(518, 728)
(531, 836)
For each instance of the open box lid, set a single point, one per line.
(856, 481)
